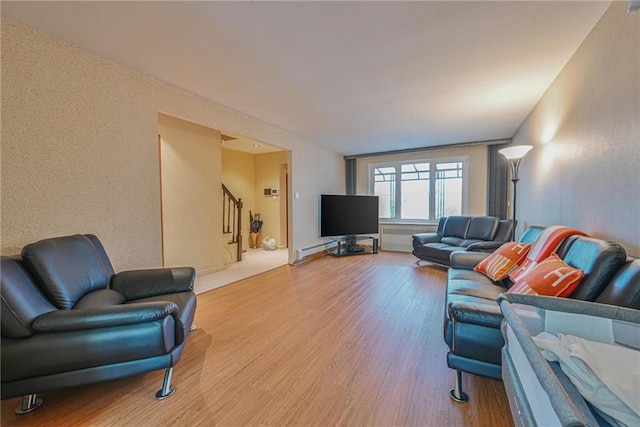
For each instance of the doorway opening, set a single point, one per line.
(195, 162)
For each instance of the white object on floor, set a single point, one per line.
(255, 261)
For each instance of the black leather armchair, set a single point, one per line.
(68, 320)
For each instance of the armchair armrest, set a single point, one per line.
(484, 246)
(478, 314)
(465, 259)
(102, 317)
(136, 284)
(427, 238)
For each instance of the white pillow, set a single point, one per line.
(606, 375)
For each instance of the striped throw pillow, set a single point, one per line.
(506, 258)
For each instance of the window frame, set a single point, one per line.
(433, 161)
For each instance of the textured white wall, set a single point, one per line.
(584, 169)
(80, 150)
(191, 193)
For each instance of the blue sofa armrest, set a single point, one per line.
(423, 238)
(488, 316)
(466, 260)
(484, 246)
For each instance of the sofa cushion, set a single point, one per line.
(468, 242)
(498, 265)
(552, 277)
(504, 231)
(456, 226)
(624, 288)
(22, 301)
(100, 298)
(482, 227)
(480, 287)
(67, 268)
(453, 241)
(434, 251)
(469, 287)
(599, 259)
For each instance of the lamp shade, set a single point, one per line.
(515, 152)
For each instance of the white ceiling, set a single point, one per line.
(356, 77)
(250, 146)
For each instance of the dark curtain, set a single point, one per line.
(497, 182)
(350, 176)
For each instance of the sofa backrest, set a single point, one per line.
(455, 230)
(531, 234)
(599, 259)
(482, 228)
(67, 268)
(503, 233)
(624, 288)
(22, 301)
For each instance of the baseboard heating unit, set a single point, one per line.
(397, 237)
(311, 250)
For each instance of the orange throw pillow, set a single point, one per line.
(552, 277)
(523, 267)
(507, 257)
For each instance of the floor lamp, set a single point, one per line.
(515, 154)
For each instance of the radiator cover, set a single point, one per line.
(397, 237)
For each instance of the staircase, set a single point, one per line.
(232, 220)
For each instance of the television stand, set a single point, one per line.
(349, 246)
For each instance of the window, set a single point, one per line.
(420, 190)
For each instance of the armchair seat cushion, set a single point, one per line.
(100, 298)
(75, 350)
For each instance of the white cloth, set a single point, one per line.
(606, 375)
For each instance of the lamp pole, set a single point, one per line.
(515, 154)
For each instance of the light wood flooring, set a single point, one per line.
(352, 341)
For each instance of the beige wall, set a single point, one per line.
(268, 176)
(80, 150)
(239, 175)
(584, 169)
(247, 175)
(477, 190)
(191, 193)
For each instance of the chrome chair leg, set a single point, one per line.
(456, 392)
(29, 403)
(166, 390)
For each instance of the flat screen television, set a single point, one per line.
(348, 215)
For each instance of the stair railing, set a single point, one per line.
(232, 218)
